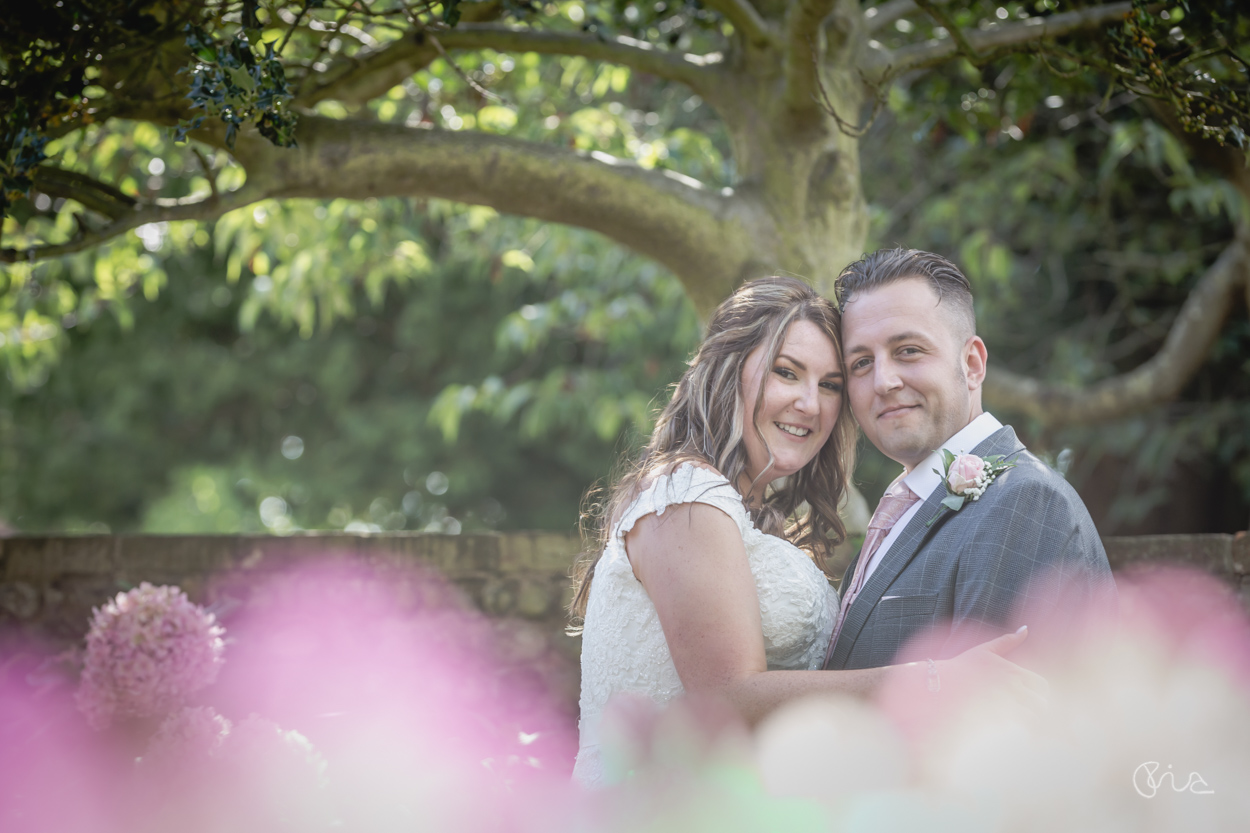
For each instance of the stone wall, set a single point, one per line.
(48, 585)
(1225, 556)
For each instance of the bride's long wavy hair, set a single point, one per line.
(704, 423)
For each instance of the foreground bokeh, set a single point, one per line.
(368, 698)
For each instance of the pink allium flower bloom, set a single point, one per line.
(194, 732)
(148, 651)
(966, 473)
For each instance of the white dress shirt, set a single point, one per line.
(922, 480)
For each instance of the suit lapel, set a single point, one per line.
(1003, 441)
(905, 548)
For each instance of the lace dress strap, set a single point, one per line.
(687, 483)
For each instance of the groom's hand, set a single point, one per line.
(1005, 644)
(984, 673)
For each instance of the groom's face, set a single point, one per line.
(913, 377)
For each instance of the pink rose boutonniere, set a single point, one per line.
(967, 477)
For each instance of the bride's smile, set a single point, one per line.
(802, 396)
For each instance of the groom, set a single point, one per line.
(915, 367)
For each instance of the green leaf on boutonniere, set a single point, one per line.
(951, 502)
(948, 459)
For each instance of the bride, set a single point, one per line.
(706, 578)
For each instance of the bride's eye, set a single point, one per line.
(784, 372)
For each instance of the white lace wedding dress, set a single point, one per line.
(623, 647)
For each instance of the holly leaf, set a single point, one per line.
(451, 12)
(242, 79)
(200, 43)
(185, 127)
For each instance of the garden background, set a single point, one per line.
(225, 335)
(330, 312)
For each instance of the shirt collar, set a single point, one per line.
(923, 479)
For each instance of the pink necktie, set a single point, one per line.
(894, 505)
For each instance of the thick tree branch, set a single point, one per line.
(1159, 379)
(359, 79)
(883, 63)
(689, 69)
(803, 51)
(704, 236)
(141, 214)
(93, 194)
(745, 19)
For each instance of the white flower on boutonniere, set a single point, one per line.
(967, 477)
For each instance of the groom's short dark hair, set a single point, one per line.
(885, 266)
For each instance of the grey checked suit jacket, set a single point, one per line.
(974, 569)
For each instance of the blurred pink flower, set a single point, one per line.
(192, 733)
(148, 651)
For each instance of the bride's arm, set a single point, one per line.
(693, 565)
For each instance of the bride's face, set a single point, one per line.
(802, 400)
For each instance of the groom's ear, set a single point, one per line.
(974, 359)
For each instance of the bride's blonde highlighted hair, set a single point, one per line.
(703, 423)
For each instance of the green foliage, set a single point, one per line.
(39, 302)
(679, 23)
(229, 81)
(243, 62)
(451, 12)
(22, 150)
(49, 71)
(1187, 56)
(188, 422)
(399, 340)
(1083, 224)
(1191, 57)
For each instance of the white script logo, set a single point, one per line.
(1147, 784)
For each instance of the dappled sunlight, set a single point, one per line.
(180, 377)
